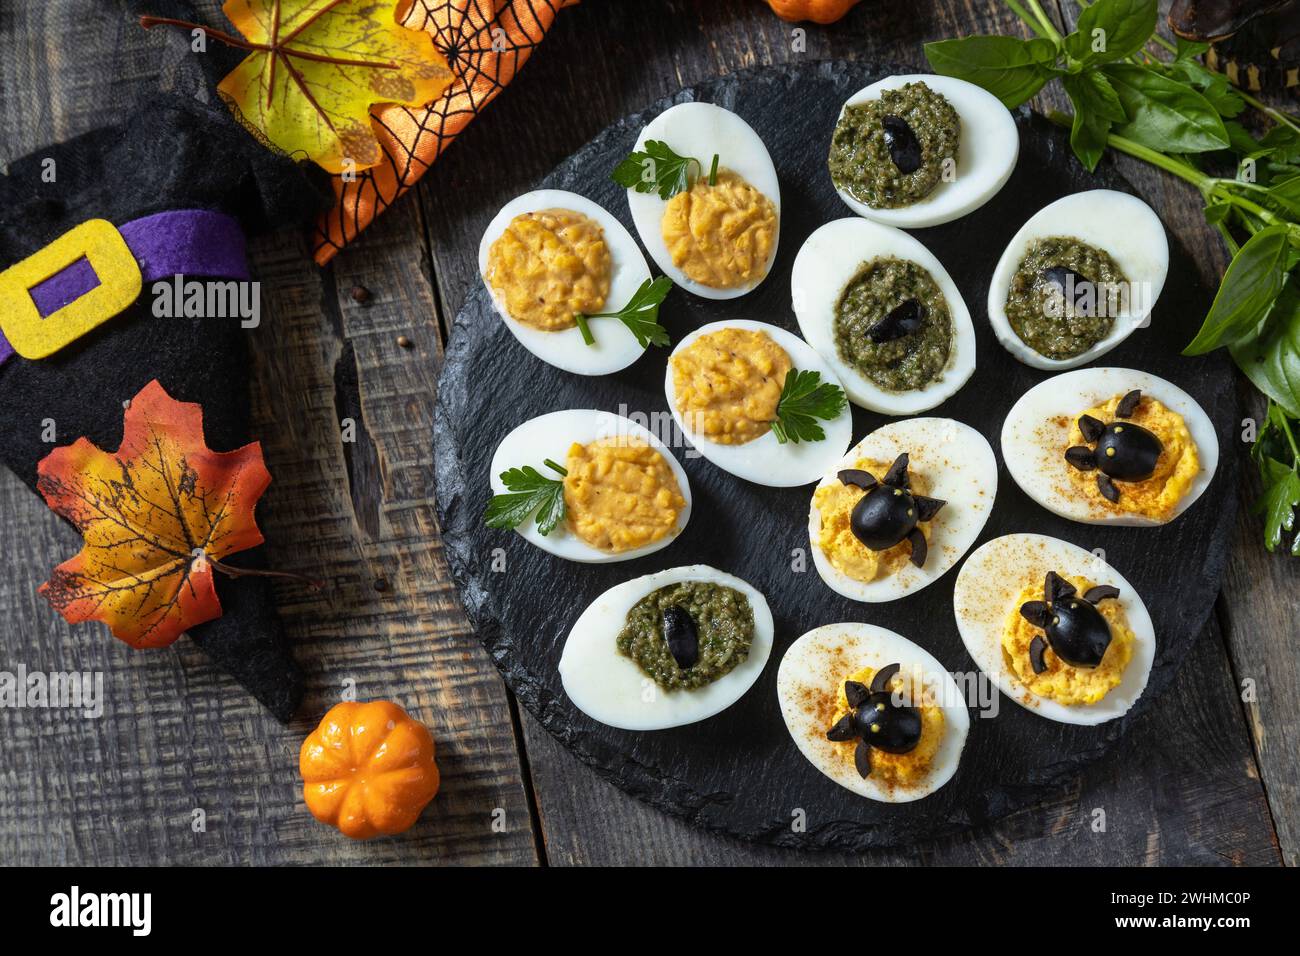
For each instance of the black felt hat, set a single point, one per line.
(178, 151)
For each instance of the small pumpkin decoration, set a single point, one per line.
(818, 11)
(368, 769)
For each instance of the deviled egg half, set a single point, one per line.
(588, 486)
(884, 314)
(1110, 446)
(667, 649)
(872, 711)
(921, 150)
(1078, 278)
(704, 198)
(758, 402)
(901, 508)
(550, 256)
(1059, 631)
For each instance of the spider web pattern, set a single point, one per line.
(486, 42)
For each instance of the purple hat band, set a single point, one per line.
(180, 242)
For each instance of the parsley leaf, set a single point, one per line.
(640, 315)
(1279, 467)
(804, 399)
(530, 492)
(659, 169)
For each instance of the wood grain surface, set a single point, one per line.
(1205, 778)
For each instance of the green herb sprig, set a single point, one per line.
(640, 315)
(1169, 110)
(658, 169)
(530, 492)
(804, 399)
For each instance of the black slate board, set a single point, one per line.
(740, 772)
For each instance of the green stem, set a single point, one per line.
(584, 328)
(1052, 33)
(1027, 17)
(1290, 438)
(1137, 150)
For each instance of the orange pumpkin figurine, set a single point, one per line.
(818, 11)
(368, 769)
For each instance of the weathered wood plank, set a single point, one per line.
(178, 735)
(613, 59)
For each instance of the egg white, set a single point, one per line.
(1117, 223)
(827, 262)
(549, 436)
(986, 154)
(961, 469)
(1036, 433)
(765, 461)
(988, 586)
(702, 130)
(612, 689)
(815, 665)
(616, 347)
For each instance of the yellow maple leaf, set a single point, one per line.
(316, 67)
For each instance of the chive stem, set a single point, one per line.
(713, 171)
(555, 468)
(584, 328)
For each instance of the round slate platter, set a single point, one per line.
(739, 772)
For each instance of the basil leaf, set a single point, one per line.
(1164, 114)
(1249, 289)
(1213, 86)
(1188, 49)
(1286, 195)
(1270, 356)
(1111, 30)
(1096, 106)
(1010, 68)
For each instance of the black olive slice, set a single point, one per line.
(681, 636)
(856, 693)
(1129, 403)
(843, 729)
(904, 147)
(901, 320)
(857, 478)
(1074, 287)
(1101, 592)
(1081, 457)
(1036, 613)
(1078, 633)
(883, 517)
(862, 759)
(1107, 489)
(920, 547)
(880, 683)
(896, 477)
(1091, 428)
(1128, 452)
(927, 508)
(1037, 648)
(1056, 587)
(893, 728)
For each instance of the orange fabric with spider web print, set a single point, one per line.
(486, 42)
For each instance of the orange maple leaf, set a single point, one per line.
(155, 515)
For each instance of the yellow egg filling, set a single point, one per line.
(722, 235)
(547, 265)
(848, 555)
(620, 494)
(728, 384)
(1059, 681)
(898, 770)
(1177, 467)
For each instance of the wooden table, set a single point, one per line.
(1207, 777)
